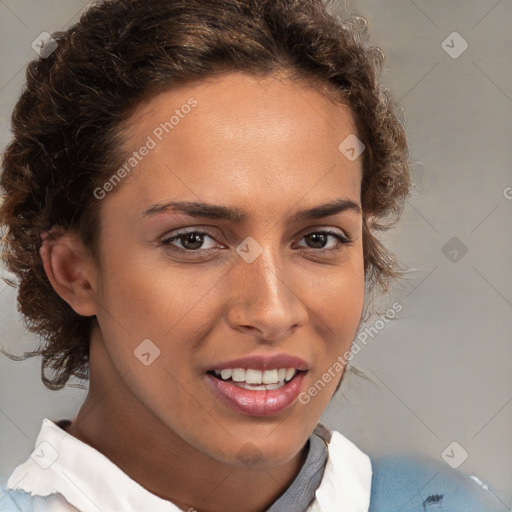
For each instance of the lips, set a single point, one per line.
(262, 362)
(257, 403)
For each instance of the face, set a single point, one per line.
(203, 288)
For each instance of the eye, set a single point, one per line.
(191, 241)
(321, 237)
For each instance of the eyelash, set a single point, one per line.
(343, 241)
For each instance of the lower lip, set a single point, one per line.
(257, 402)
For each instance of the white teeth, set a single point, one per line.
(251, 376)
(290, 372)
(225, 374)
(269, 377)
(238, 375)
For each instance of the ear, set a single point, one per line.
(71, 271)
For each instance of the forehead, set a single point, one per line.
(241, 137)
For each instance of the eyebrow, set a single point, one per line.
(236, 215)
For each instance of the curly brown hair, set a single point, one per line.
(67, 127)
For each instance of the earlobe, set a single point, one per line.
(70, 271)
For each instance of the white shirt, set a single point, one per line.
(79, 477)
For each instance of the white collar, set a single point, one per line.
(347, 479)
(91, 482)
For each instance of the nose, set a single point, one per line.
(266, 299)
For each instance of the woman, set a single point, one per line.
(192, 196)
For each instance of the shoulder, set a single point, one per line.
(415, 483)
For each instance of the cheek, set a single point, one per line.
(341, 294)
(170, 307)
(338, 316)
(145, 299)
(146, 332)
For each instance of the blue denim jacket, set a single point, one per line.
(415, 484)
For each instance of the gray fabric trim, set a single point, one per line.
(301, 492)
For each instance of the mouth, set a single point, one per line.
(238, 391)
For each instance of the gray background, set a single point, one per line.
(442, 371)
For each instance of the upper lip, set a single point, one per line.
(263, 362)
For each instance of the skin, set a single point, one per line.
(269, 146)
